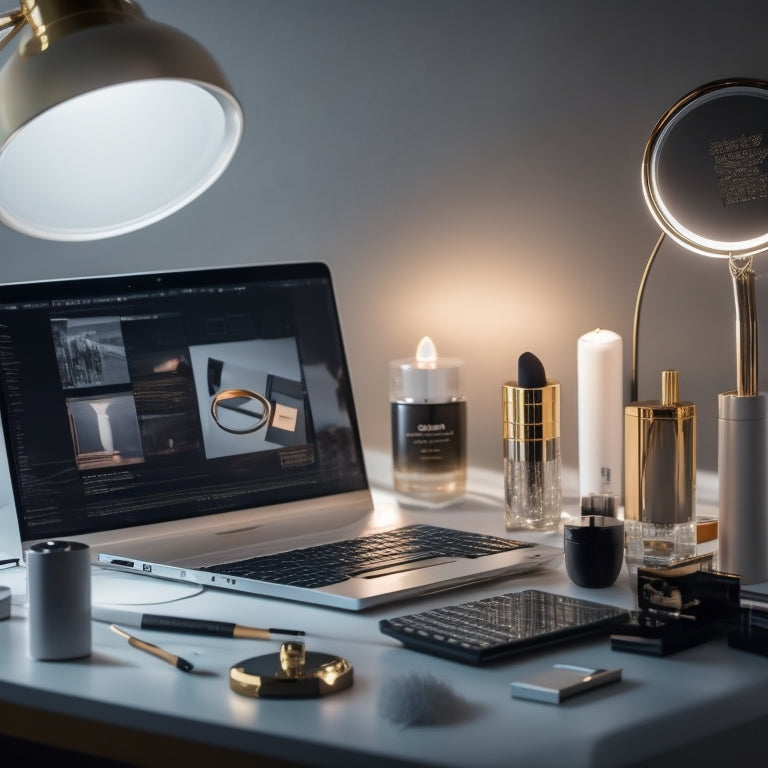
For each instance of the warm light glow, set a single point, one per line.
(426, 353)
(240, 676)
(329, 673)
(334, 672)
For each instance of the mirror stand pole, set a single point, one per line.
(742, 448)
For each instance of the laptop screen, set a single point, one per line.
(138, 399)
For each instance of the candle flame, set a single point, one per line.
(426, 353)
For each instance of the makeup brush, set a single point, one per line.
(420, 699)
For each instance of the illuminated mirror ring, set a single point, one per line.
(705, 169)
(230, 399)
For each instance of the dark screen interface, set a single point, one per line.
(137, 399)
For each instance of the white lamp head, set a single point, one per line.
(705, 169)
(109, 122)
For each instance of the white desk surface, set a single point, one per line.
(700, 699)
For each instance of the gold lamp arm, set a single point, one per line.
(636, 321)
(11, 23)
(49, 19)
(743, 276)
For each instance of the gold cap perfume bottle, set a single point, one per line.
(531, 442)
(660, 478)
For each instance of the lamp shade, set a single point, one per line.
(110, 127)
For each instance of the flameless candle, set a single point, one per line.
(600, 412)
(428, 428)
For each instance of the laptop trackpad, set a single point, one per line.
(400, 565)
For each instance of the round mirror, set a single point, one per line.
(705, 169)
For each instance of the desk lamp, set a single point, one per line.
(705, 180)
(108, 121)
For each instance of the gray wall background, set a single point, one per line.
(470, 170)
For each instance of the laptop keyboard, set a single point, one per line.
(379, 553)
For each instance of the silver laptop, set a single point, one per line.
(182, 422)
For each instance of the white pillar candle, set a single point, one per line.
(600, 413)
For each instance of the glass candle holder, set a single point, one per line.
(429, 417)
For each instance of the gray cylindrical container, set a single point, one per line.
(59, 599)
(742, 457)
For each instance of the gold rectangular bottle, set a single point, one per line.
(660, 478)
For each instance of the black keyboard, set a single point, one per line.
(389, 551)
(498, 627)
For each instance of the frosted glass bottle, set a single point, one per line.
(429, 417)
(532, 463)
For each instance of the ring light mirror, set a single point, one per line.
(705, 180)
(705, 169)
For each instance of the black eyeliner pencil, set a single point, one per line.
(188, 626)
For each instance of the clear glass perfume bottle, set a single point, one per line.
(429, 415)
(532, 464)
(660, 479)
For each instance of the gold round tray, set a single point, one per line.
(294, 672)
